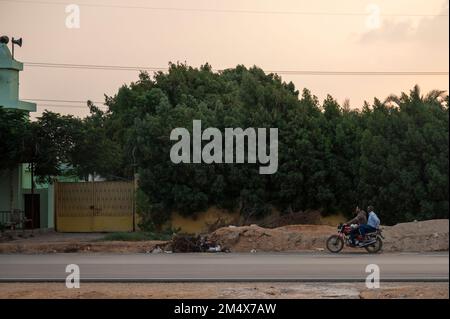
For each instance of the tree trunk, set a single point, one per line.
(32, 195)
(11, 189)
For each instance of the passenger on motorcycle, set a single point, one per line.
(359, 219)
(372, 225)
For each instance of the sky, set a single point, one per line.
(276, 35)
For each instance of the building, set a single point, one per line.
(15, 184)
(67, 205)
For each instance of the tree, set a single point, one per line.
(392, 154)
(93, 152)
(404, 160)
(13, 124)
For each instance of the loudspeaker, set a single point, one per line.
(17, 41)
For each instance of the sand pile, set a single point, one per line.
(431, 235)
(286, 238)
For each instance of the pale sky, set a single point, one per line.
(410, 35)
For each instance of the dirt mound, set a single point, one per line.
(429, 235)
(286, 238)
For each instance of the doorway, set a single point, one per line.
(32, 211)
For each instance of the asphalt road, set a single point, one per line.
(225, 267)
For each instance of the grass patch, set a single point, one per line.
(137, 236)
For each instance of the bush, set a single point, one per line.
(152, 216)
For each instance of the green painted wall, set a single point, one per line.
(21, 185)
(10, 189)
(5, 192)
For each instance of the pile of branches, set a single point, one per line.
(184, 243)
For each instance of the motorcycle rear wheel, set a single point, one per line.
(376, 247)
(335, 244)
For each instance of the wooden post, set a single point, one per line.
(32, 197)
(55, 204)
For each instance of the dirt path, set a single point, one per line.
(53, 242)
(224, 290)
(81, 247)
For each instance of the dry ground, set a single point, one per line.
(224, 290)
(430, 235)
(424, 236)
(53, 242)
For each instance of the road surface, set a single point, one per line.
(225, 267)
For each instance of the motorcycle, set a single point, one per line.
(372, 242)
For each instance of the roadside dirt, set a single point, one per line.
(82, 247)
(286, 238)
(224, 290)
(424, 236)
(431, 235)
(409, 291)
(52, 242)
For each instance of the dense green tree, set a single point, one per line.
(13, 124)
(393, 155)
(49, 140)
(93, 152)
(404, 157)
(57, 144)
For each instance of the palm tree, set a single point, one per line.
(434, 96)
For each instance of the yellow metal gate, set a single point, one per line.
(94, 206)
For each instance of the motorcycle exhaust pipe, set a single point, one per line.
(373, 241)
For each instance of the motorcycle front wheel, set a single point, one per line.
(335, 243)
(375, 247)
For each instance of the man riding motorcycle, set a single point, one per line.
(369, 236)
(372, 225)
(359, 219)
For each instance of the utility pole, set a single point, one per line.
(32, 196)
(135, 182)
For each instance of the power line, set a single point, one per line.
(287, 72)
(311, 72)
(235, 11)
(42, 103)
(63, 101)
(93, 66)
(65, 106)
